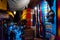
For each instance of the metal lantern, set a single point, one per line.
(17, 4)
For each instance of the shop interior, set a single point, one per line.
(27, 19)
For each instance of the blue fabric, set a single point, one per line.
(17, 31)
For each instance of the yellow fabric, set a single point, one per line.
(3, 4)
(23, 16)
(10, 13)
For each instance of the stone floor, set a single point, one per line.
(38, 39)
